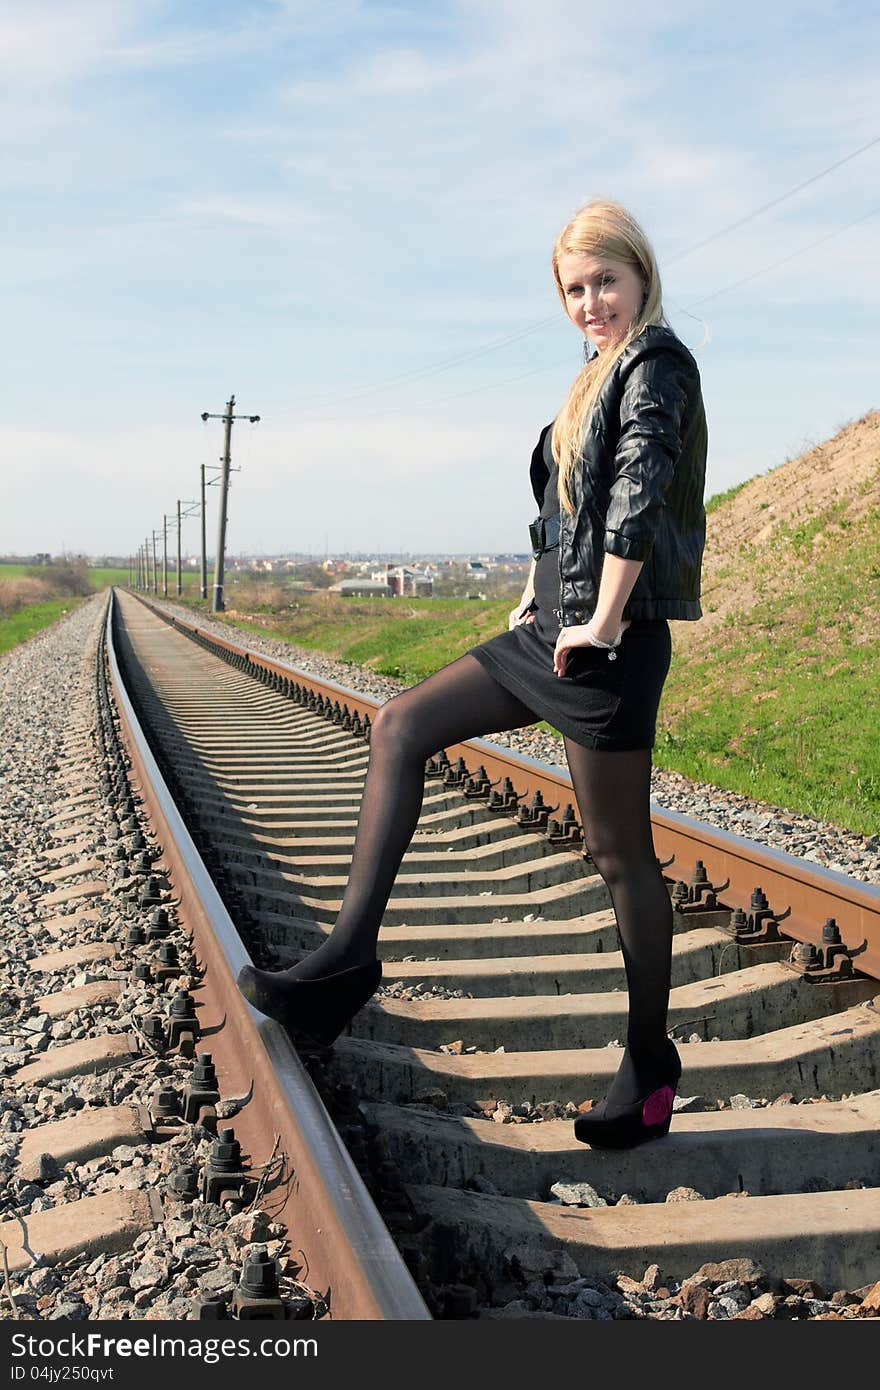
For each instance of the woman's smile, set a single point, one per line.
(602, 296)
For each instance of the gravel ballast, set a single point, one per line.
(195, 1250)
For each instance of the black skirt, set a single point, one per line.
(599, 702)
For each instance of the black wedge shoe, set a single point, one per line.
(313, 1011)
(625, 1126)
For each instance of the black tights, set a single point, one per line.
(613, 792)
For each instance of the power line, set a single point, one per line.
(457, 395)
(755, 273)
(445, 364)
(495, 345)
(534, 371)
(774, 202)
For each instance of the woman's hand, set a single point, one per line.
(579, 636)
(517, 617)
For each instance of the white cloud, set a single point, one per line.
(52, 41)
(255, 213)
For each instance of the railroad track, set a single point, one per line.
(500, 1013)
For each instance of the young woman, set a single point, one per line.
(619, 478)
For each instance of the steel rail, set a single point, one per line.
(327, 1207)
(710, 867)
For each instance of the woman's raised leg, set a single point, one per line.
(460, 701)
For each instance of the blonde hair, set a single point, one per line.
(604, 229)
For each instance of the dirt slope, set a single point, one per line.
(760, 541)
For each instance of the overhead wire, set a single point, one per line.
(454, 396)
(774, 202)
(496, 345)
(445, 364)
(784, 259)
(551, 366)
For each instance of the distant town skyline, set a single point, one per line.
(191, 560)
(343, 214)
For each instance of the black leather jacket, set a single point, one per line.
(639, 490)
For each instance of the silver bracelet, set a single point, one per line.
(606, 646)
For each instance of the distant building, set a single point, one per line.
(410, 583)
(361, 588)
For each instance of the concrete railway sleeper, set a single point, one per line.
(502, 1005)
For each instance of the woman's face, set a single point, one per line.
(602, 296)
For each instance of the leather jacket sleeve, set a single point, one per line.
(656, 388)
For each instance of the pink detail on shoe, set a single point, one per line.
(658, 1107)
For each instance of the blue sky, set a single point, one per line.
(318, 206)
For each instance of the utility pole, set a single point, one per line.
(203, 577)
(181, 514)
(165, 555)
(218, 605)
(155, 567)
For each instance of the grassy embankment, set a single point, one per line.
(28, 621)
(783, 707)
(780, 704)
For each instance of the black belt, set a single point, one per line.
(544, 535)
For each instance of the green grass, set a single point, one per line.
(31, 620)
(785, 708)
(718, 498)
(16, 571)
(407, 639)
(102, 578)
